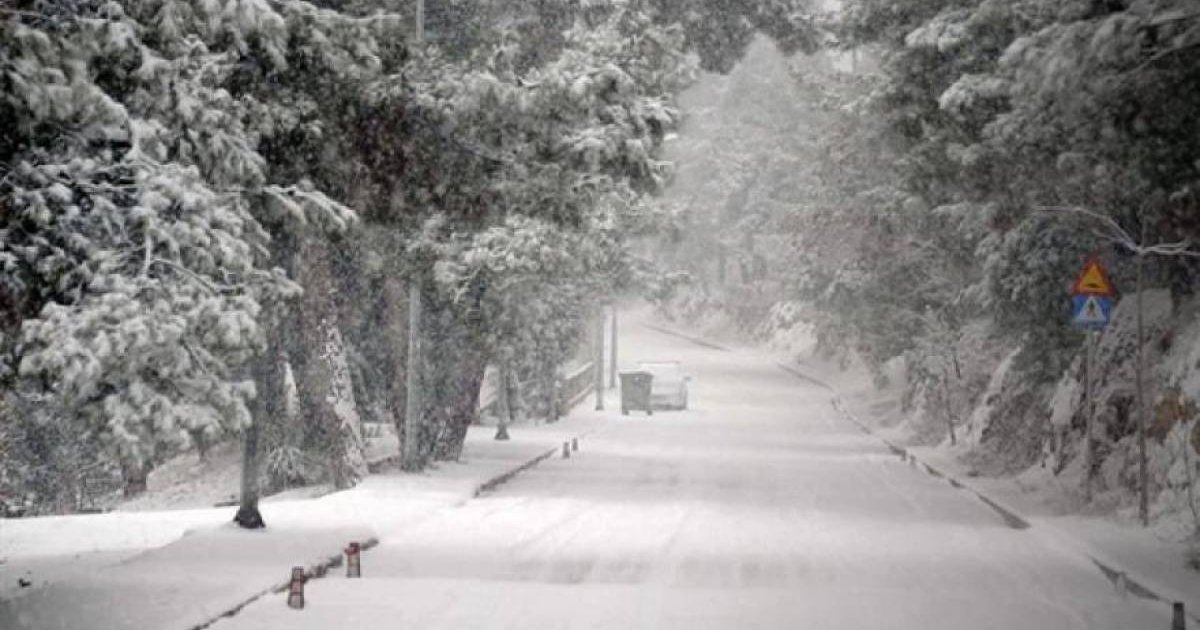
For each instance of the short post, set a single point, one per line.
(566, 450)
(612, 356)
(354, 560)
(574, 444)
(296, 589)
(1178, 619)
(598, 368)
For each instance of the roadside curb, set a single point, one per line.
(315, 571)
(1132, 583)
(1121, 579)
(322, 566)
(499, 480)
(1009, 515)
(696, 340)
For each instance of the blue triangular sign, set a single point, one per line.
(1091, 311)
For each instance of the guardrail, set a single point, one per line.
(95, 483)
(571, 388)
(576, 385)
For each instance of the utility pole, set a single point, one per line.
(420, 29)
(598, 368)
(411, 455)
(411, 459)
(612, 357)
(1143, 475)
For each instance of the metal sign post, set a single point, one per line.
(1091, 299)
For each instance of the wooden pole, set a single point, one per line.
(411, 457)
(598, 369)
(420, 27)
(1143, 475)
(612, 356)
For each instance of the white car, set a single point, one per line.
(669, 388)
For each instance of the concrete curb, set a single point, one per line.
(1007, 514)
(499, 480)
(1120, 578)
(322, 567)
(315, 571)
(696, 340)
(1134, 584)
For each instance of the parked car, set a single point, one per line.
(669, 389)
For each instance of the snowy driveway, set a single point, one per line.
(759, 508)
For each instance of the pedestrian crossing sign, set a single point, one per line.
(1091, 311)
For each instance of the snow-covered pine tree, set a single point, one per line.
(140, 210)
(140, 282)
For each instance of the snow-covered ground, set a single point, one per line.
(1155, 556)
(181, 568)
(1053, 503)
(759, 507)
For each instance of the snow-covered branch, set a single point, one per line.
(1118, 235)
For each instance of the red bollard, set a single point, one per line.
(353, 564)
(296, 589)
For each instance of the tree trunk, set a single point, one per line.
(200, 441)
(503, 400)
(134, 477)
(347, 458)
(463, 404)
(329, 412)
(268, 409)
(391, 332)
(551, 389)
(248, 515)
(948, 395)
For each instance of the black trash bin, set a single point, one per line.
(635, 391)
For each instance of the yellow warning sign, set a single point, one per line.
(1093, 280)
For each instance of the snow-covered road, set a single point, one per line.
(758, 508)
